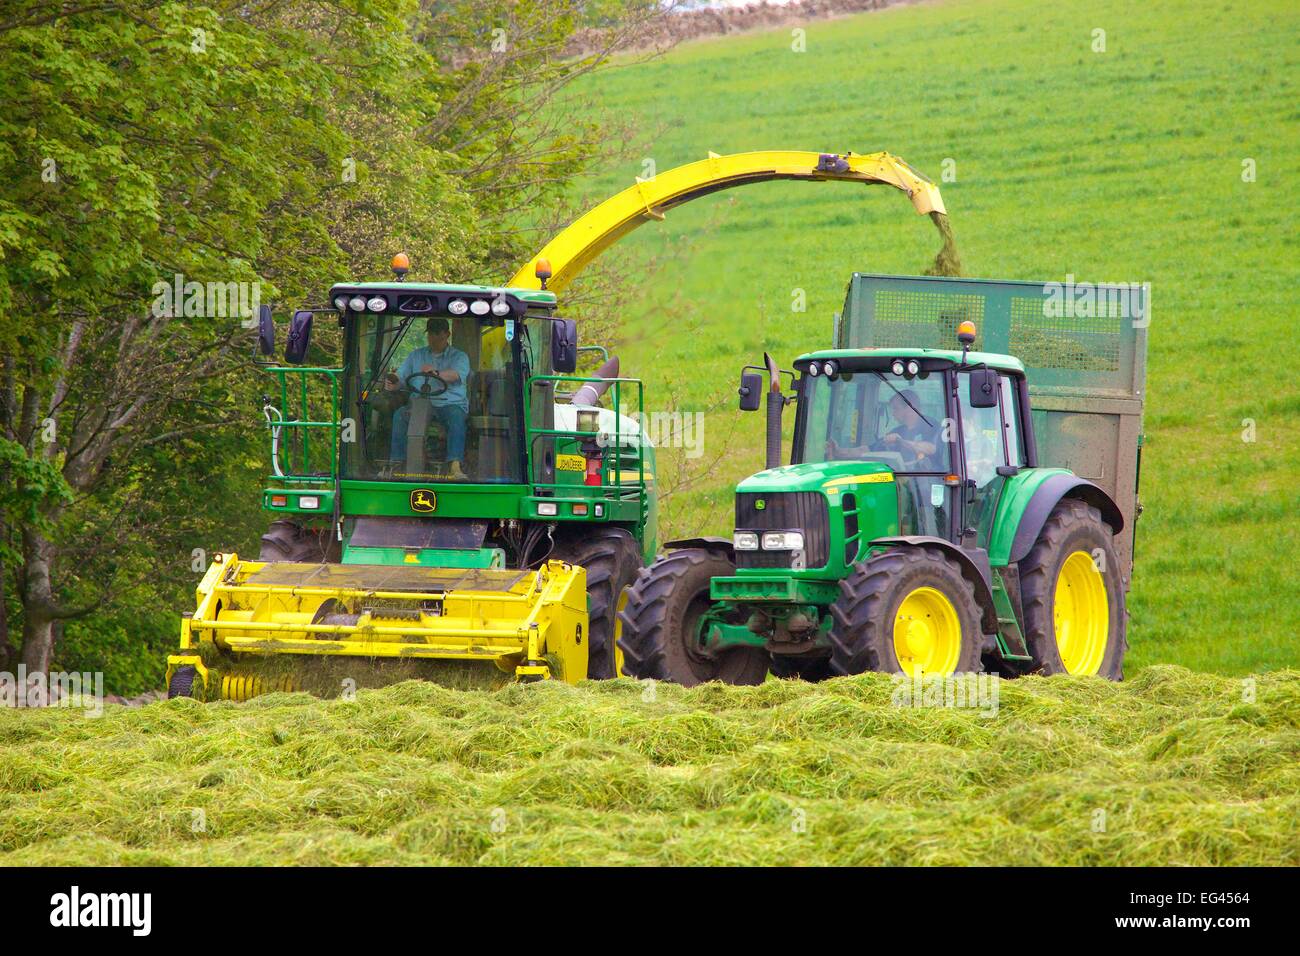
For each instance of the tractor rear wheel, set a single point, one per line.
(661, 624)
(1073, 595)
(907, 610)
(612, 559)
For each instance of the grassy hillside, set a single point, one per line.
(1117, 166)
(1171, 767)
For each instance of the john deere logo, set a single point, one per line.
(423, 500)
(760, 504)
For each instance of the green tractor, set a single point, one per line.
(929, 521)
(451, 493)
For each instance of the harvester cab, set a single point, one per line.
(919, 527)
(451, 493)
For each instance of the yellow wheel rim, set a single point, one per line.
(927, 634)
(618, 633)
(1081, 614)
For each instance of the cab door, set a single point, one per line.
(990, 441)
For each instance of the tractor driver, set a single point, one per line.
(914, 438)
(450, 406)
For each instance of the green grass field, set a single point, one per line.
(1172, 767)
(1117, 166)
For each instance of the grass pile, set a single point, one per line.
(1173, 767)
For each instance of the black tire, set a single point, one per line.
(182, 682)
(612, 559)
(1072, 526)
(289, 541)
(862, 617)
(663, 607)
(811, 669)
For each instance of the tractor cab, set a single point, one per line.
(950, 426)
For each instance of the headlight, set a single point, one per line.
(545, 507)
(357, 304)
(913, 367)
(341, 303)
(745, 541)
(377, 304)
(479, 307)
(830, 368)
(783, 541)
(457, 307)
(500, 307)
(308, 501)
(814, 369)
(897, 367)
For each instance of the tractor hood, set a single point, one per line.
(817, 476)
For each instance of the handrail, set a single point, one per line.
(302, 426)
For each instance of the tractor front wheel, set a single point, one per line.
(182, 682)
(661, 624)
(908, 610)
(1073, 595)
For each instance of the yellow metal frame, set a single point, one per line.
(572, 249)
(541, 621)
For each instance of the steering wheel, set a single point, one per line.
(432, 386)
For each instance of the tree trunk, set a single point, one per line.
(38, 602)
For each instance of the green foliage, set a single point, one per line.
(33, 483)
(1125, 165)
(1172, 769)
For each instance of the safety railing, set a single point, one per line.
(291, 438)
(618, 480)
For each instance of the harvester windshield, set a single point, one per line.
(437, 397)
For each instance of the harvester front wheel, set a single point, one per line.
(612, 559)
(908, 610)
(1073, 595)
(290, 541)
(661, 623)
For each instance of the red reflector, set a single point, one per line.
(593, 472)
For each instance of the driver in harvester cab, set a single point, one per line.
(439, 361)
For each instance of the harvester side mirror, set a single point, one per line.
(265, 330)
(751, 391)
(984, 388)
(564, 346)
(295, 345)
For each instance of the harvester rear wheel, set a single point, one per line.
(182, 682)
(661, 621)
(1073, 595)
(905, 611)
(612, 559)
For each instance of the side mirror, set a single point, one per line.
(295, 345)
(984, 388)
(265, 330)
(751, 391)
(564, 346)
